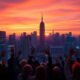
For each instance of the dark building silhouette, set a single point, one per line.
(34, 39)
(25, 45)
(42, 32)
(2, 37)
(12, 39)
(2, 42)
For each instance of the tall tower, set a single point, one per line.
(42, 32)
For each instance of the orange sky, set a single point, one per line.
(24, 15)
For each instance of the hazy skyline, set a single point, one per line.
(25, 15)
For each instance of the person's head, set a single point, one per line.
(56, 69)
(41, 73)
(56, 72)
(76, 71)
(23, 62)
(27, 70)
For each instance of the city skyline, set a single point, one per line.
(17, 16)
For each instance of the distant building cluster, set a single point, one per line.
(25, 45)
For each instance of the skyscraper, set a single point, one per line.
(12, 39)
(42, 32)
(2, 43)
(34, 39)
(26, 45)
(2, 37)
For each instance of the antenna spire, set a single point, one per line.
(42, 17)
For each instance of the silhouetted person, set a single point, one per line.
(58, 74)
(26, 73)
(22, 63)
(62, 61)
(12, 66)
(71, 64)
(69, 58)
(17, 65)
(3, 71)
(34, 63)
(41, 73)
(76, 70)
(49, 65)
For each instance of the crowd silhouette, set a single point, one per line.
(31, 69)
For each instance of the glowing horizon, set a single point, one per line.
(17, 16)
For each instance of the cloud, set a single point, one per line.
(73, 2)
(2, 6)
(65, 10)
(6, 3)
(12, 1)
(69, 29)
(16, 20)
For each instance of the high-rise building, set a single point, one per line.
(12, 39)
(42, 32)
(2, 37)
(25, 45)
(34, 39)
(2, 44)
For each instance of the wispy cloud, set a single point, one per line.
(57, 13)
(12, 1)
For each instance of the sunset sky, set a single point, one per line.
(25, 15)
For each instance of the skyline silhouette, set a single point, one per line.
(17, 16)
(42, 30)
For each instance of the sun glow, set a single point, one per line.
(24, 16)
